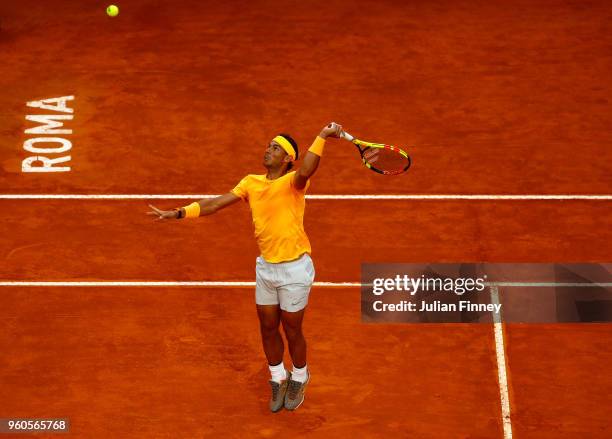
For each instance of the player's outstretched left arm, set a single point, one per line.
(198, 208)
(313, 156)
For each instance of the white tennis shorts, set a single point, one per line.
(286, 284)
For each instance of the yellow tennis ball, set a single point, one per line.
(112, 11)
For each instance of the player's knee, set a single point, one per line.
(268, 328)
(293, 332)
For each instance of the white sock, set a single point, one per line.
(278, 372)
(300, 375)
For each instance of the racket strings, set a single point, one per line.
(385, 159)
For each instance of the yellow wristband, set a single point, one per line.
(317, 146)
(193, 210)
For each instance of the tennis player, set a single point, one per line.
(284, 270)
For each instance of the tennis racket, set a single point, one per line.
(381, 158)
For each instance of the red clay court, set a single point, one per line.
(174, 100)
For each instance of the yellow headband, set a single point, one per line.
(284, 143)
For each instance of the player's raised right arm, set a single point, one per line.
(313, 155)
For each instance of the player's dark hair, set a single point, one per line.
(295, 148)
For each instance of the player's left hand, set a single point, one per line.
(162, 214)
(331, 130)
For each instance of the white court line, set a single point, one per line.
(502, 376)
(310, 197)
(498, 328)
(497, 323)
(244, 284)
(235, 284)
(549, 284)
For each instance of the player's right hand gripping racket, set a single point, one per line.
(381, 158)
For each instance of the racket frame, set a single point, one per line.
(370, 145)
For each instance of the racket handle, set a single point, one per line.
(346, 136)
